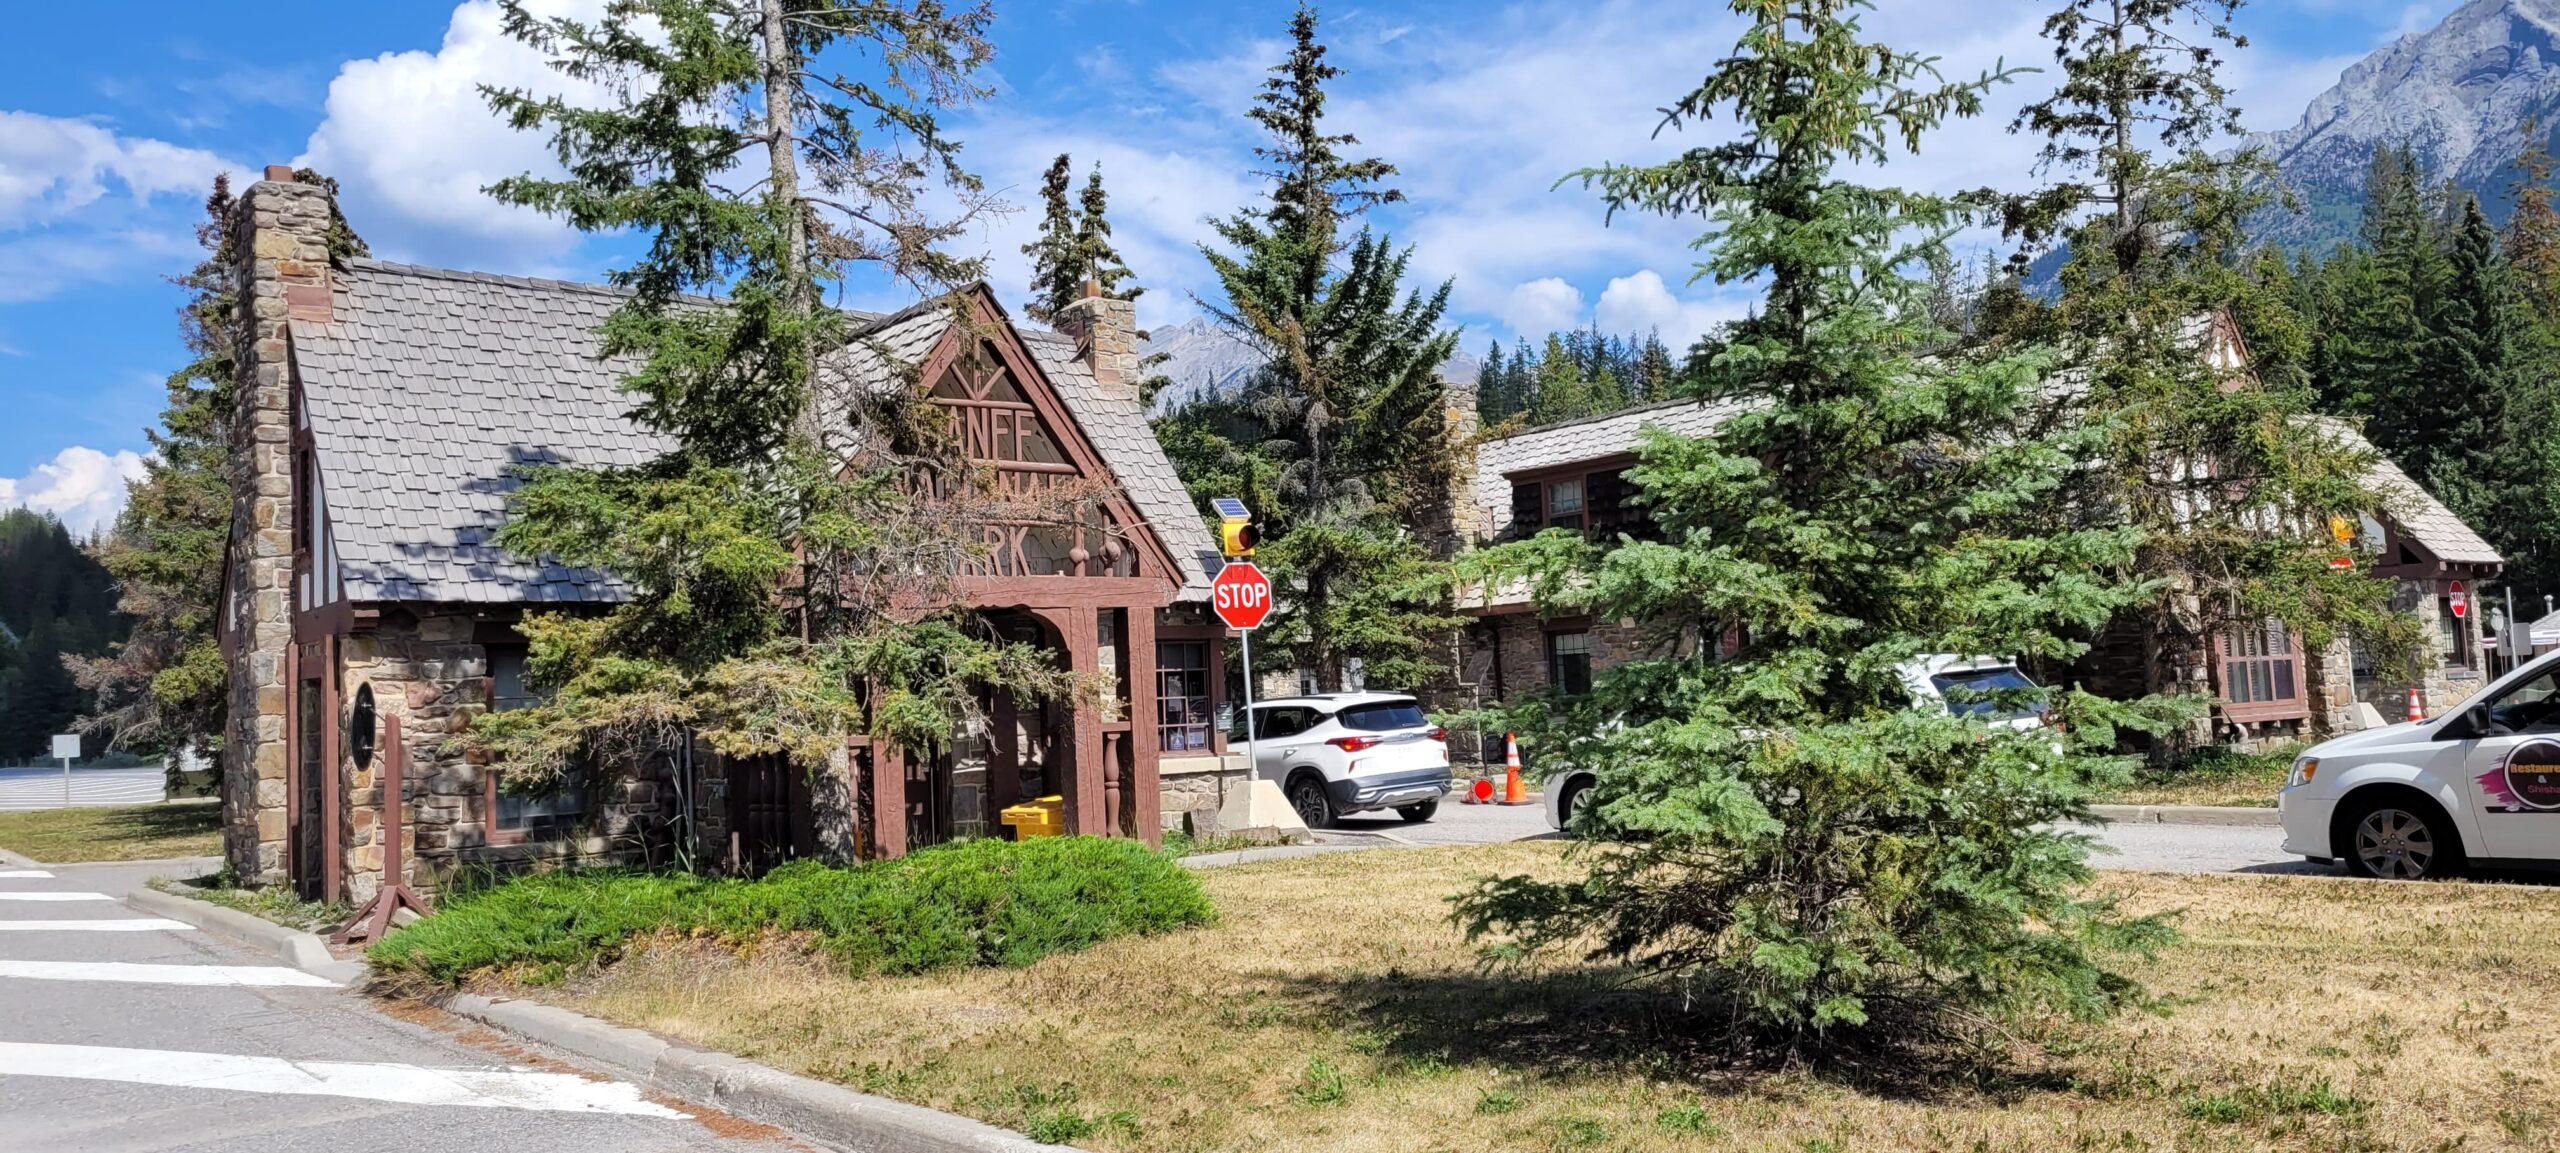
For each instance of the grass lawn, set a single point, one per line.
(132, 833)
(2217, 777)
(1333, 1009)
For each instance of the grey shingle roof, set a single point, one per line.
(424, 393)
(429, 387)
(1118, 428)
(1593, 438)
(2418, 513)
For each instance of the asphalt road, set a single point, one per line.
(125, 1033)
(2147, 847)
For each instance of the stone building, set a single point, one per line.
(1572, 475)
(384, 411)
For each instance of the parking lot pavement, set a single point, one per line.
(2148, 847)
(118, 1039)
(1455, 824)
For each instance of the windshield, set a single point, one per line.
(1383, 717)
(1989, 693)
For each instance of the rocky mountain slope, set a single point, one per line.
(1204, 359)
(2460, 93)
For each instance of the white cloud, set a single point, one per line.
(81, 203)
(82, 487)
(1643, 303)
(412, 142)
(52, 167)
(1543, 305)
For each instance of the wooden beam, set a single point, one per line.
(1146, 795)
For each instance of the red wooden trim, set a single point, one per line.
(294, 814)
(1079, 447)
(1145, 798)
(1064, 592)
(888, 802)
(1550, 473)
(333, 852)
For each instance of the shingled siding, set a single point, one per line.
(428, 669)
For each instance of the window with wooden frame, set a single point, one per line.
(2259, 667)
(1186, 715)
(2459, 652)
(1596, 500)
(1569, 661)
(516, 817)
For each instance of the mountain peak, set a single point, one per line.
(2458, 94)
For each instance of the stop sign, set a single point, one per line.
(2459, 599)
(1241, 594)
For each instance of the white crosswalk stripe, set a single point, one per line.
(115, 925)
(24, 874)
(131, 973)
(372, 1081)
(55, 897)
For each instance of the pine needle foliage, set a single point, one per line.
(1820, 863)
(1339, 441)
(792, 562)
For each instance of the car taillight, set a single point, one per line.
(1353, 744)
(1439, 734)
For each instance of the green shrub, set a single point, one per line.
(976, 903)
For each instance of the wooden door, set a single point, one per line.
(770, 820)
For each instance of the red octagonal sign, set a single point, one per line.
(1241, 594)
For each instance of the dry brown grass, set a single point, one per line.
(130, 833)
(2308, 1014)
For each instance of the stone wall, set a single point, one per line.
(430, 668)
(284, 264)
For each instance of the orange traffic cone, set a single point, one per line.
(2417, 707)
(1514, 790)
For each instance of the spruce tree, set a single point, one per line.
(1345, 418)
(1803, 850)
(784, 597)
(2157, 250)
(1057, 275)
(2533, 226)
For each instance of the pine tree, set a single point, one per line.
(752, 499)
(1345, 417)
(1816, 858)
(2156, 251)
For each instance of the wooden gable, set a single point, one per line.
(1009, 417)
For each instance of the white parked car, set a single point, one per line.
(2479, 785)
(1966, 686)
(1338, 753)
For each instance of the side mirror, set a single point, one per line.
(2470, 724)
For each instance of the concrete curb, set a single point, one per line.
(21, 861)
(294, 947)
(2187, 815)
(814, 1109)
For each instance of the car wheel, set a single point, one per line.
(1416, 814)
(2397, 840)
(1306, 794)
(1570, 803)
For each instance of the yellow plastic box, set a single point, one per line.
(1046, 817)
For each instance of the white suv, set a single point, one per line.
(1337, 753)
(2478, 785)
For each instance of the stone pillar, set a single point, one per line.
(1106, 332)
(283, 268)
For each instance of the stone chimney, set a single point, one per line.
(282, 226)
(1106, 332)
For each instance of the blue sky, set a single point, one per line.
(105, 156)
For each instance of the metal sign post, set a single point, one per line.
(66, 748)
(1245, 637)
